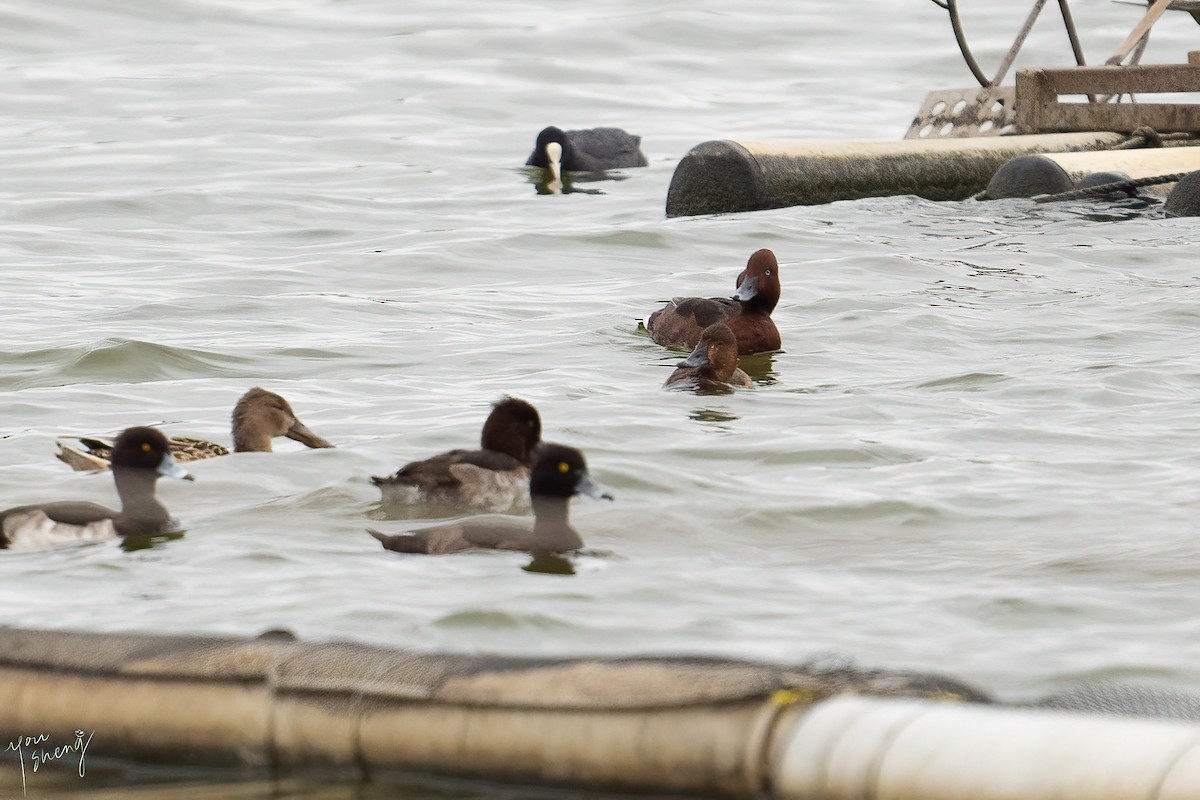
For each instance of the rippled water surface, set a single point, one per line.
(978, 452)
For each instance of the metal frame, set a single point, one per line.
(1033, 106)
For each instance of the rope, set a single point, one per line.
(1109, 188)
(1148, 137)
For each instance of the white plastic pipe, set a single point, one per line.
(888, 749)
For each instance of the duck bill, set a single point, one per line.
(592, 489)
(300, 432)
(170, 468)
(747, 291)
(698, 358)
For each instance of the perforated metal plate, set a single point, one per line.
(959, 113)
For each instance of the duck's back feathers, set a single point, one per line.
(40, 528)
(96, 453)
(474, 480)
(491, 478)
(680, 322)
(608, 148)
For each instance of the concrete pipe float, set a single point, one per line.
(723, 176)
(698, 726)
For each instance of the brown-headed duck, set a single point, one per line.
(139, 457)
(712, 365)
(258, 417)
(559, 474)
(748, 313)
(488, 479)
(590, 150)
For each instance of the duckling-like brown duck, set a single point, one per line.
(712, 365)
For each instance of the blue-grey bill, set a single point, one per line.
(592, 489)
(747, 290)
(170, 468)
(698, 358)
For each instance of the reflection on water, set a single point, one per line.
(760, 367)
(544, 183)
(711, 415)
(145, 541)
(700, 387)
(550, 564)
(1123, 209)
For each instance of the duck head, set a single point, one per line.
(260, 416)
(561, 473)
(145, 450)
(514, 428)
(550, 151)
(715, 354)
(758, 284)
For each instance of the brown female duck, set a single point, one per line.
(258, 417)
(712, 365)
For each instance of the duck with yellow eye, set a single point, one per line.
(140, 456)
(559, 473)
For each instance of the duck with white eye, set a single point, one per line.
(140, 457)
(559, 473)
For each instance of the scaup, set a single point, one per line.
(139, 457)
(488, 479)
(712, 365)
(681, 322)
(258, 417)
(588, 150)
(559, 474)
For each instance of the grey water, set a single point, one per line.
(977, 453)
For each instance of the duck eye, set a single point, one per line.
(146, 447)
(564, 467)
(768, 272)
